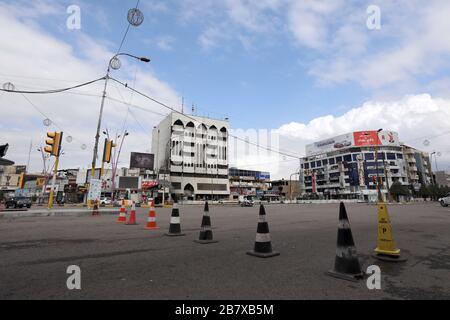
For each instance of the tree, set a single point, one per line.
(397, 190)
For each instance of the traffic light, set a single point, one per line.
(22, 180)
(107, 151)
(53, 143)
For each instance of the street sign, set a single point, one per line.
(95, 190)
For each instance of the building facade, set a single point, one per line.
(248, 183)
(442, 178)
(192, 155)
(345, 167)
(418, 167)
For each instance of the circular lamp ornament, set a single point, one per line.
(69, 139)
(47, 122)
(135, 17)
(115, 63)
(9, 86)
(426, 143)
(439, 154)
(83, 147)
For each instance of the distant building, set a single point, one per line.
(248, 183)
(418, 166)
(345, 167)
(284, 189)
(442, 178)
(191, 156)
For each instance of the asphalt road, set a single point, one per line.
(128, 262)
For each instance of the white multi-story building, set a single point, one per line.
(191, 154)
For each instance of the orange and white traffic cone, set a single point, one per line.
(151, 222)
(132, 219)
(122, 214)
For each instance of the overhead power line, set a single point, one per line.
(176, 111)
(53, 90)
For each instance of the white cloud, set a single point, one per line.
(34, 59)
(416, 118)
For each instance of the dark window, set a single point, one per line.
(399, 156)
(325, 162)
(319, 163)
(348, 158)
(313, 164)
(369, 156)
(338, 159)
(390, 156)
(332, 161)
(306, 165)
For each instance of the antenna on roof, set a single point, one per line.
(182, 105)
(193, 109)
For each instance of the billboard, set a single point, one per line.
(142, 160)
(128, 182)
(354, 139)
(331, 144)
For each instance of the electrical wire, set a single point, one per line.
(176, 111)
(54, 90)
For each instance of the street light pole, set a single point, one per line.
(114, 63)
(380, 197)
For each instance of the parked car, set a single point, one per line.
(445, 201)
(247, 203)
(105, 201)
(18, 202)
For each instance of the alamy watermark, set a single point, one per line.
(374, 20)
(374, 280)
(73, 22)
(74, 280)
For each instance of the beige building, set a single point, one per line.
(191, 156)
(418, 166)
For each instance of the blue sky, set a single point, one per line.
(306, 69)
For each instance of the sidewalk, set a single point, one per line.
(56, 212)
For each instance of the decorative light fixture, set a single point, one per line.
(69, 139)
(135, 17)
(9, 86)
(115, 63)
(47, 122)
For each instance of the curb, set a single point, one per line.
(47, 213)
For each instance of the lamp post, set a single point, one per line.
(290, 184)
(115, 64)
(380, 197)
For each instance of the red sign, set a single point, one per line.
(149, 184)
(366, 138)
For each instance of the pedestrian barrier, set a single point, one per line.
(386, 249)
(132, 219)
(122, 214)
(263, 244)
(206, 234)
(175, 222)
(346, 265)
(151, 221)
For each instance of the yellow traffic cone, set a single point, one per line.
(386, 249)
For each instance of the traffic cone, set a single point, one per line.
(95, 211)
(151, 222)
(386, 249)
(175, 225)
(263, 245)
(122, 214)
(132, 218)
(206, 234)
(346, 265)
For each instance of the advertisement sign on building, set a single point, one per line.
(354, 139)
(142, 160)
(128, 182)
